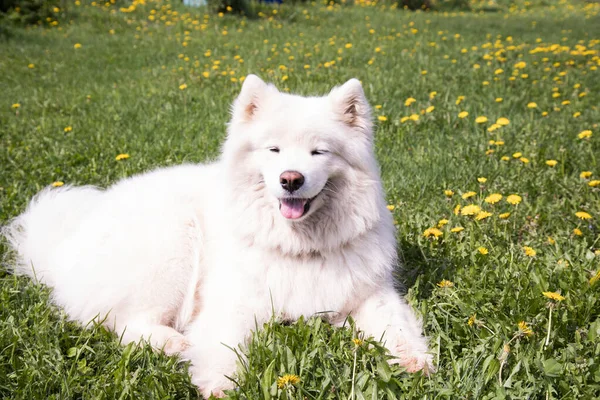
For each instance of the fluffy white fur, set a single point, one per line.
(189, 257)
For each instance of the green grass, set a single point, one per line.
(120, 93)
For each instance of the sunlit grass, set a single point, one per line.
(488, 139)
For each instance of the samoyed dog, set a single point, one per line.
(290, 220)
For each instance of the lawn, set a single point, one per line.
(488, 139)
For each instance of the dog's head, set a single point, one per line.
(303, 161)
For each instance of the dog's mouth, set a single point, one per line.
(295, 207)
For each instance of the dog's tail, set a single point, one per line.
(51, 216)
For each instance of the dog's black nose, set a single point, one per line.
(291, 180)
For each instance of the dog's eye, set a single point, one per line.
(274, 149)
(318, 152)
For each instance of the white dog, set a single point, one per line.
(291, 219)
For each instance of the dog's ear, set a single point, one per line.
(350, 103)
(250, 99)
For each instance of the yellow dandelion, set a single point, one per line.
(448, 193)
(456, 210)
(183, 86)
(585, 174)
(463, 114)
(499, 99)
(287, 380)
(442, 222)
(585, 134)
(525, 329)
(68, 129)
(357, 342)
(505, 158)
(498, 71)
(514, 199)
(482, 250)
(577, 232)
(409, 101)
(482, 179)
(57, 184)
(551, 163)
(348, 45)
(122, 156)
(529, 251)
(493, 198)
(532, 105)
(429, 109)
(435, 232)
(77, 45)
(481, 120)
(594, 183)
(457, 229)
(468, 194)
(16, 105)
(504, 215)
(554, 296)
(391, 207)
(31, 66)
(517, 154)
(444, 283)
(471, 209)
(483, 215)
(524, 160)
(595, 278)
(414, 117)
(471, 320)
(583, 215)
(502, 121)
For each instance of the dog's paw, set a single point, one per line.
(210, 383)
(413, 358)
(176, 345)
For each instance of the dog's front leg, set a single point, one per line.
(386, 315)
(214, 336)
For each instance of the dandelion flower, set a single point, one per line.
(481, 120)
(517, 154)
(553, 296)
(456, 209)
(463, 114)
(577, 232)
(532, 105)
(524, 160)
(468, 194)
(122, 156)
(583, 215)
(529, 251)
(514, 199)
(493, 198)
(482, 250)
(409, 101)
(551, 163)
(525, 329)
(595, 278)
(382, 118)
(585, 174)
(77, 45)
(471, 320)
(585, 134)
(482, 179)
(505, 158)
(499, 99)
(483, 215)
(286, 380)
(57, 184)
(503, 121)
(594, 183)
(68, 129)
(16, 105)
(444, 283)
(457, 229)
(31, 66)
(471, 209)
(429, 109)
(435, 232)
(551, 241)
(448, 193)
(504, 215)
(391, 207)
(357, 342)
(414, 117)
(183, 86)
(442, 222)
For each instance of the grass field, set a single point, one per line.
(488, 139)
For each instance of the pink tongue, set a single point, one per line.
(292, 208)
